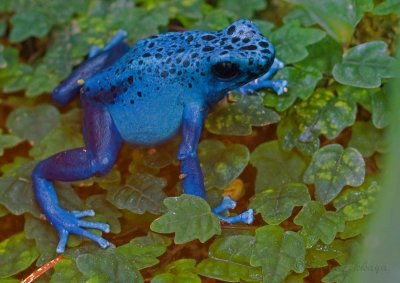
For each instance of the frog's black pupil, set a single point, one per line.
(225, 70)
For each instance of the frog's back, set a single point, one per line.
(146, 90)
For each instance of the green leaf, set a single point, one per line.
(323, 55)
(43, 80)
(33, 123)
(7, 141)
(140, 22)
(229, 260)
(292, 133)
(380, 108)
(161, 157)
(16, 193)
(339, 274)
(238, 118)
(16, 254)
(297, 277)
(143, 251)
(189, 217)
(278, 252)
(367, 139)
(105, 212)
(14, 76)
(291, 40)
(333, 167)
(318, 224)
(323, 113)
(238, 9)
(67, 135)
(276, 204)
(45, 237)
(179, 271)
(354, 203)
(65, 271)
(326, 114)
(221, 164)
(29, 23)
(387, 7)
(301, 84)
(142, 192)
(275, 167)
(319, 255)
(107, 266)
(354, 228)
(365, 65)
(337, 17)
(299, 15)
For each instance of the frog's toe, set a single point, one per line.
(279, 86)
(246, 217)
(226, 204)
(83, 213)
(94, 225)
(69, 222)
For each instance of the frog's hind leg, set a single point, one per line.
(97, 157)
(99, 59)
(263, 82)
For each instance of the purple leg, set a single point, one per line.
(97, 157)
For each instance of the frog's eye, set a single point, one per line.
(225, 70)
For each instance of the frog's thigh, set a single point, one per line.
(102, 143)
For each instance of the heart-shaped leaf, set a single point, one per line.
(179, 271)
(291, 40)
(301, 83)
(221, 164)
(318, 224)
(365, 65)
(237, 118)
(96, 267)
(278, 252)
(337, 17)
(320, 253)
(189, 217)
(143, 251)
(276, 204)
(333, 167)
(275, 167)
(229, 260)
(356, 202)
(142, 192)
(367, 139)
(33, 123)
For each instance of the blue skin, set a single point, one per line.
(145, 95)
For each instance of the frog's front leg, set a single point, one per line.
(263, 82)
(97, 157)
(193, 182)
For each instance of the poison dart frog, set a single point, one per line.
(146, 94)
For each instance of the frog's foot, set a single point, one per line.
(228, 203)
(117, 38)
(68, 222)
(278, 86)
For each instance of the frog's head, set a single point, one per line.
(241, 55)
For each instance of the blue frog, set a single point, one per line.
(144, 95)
